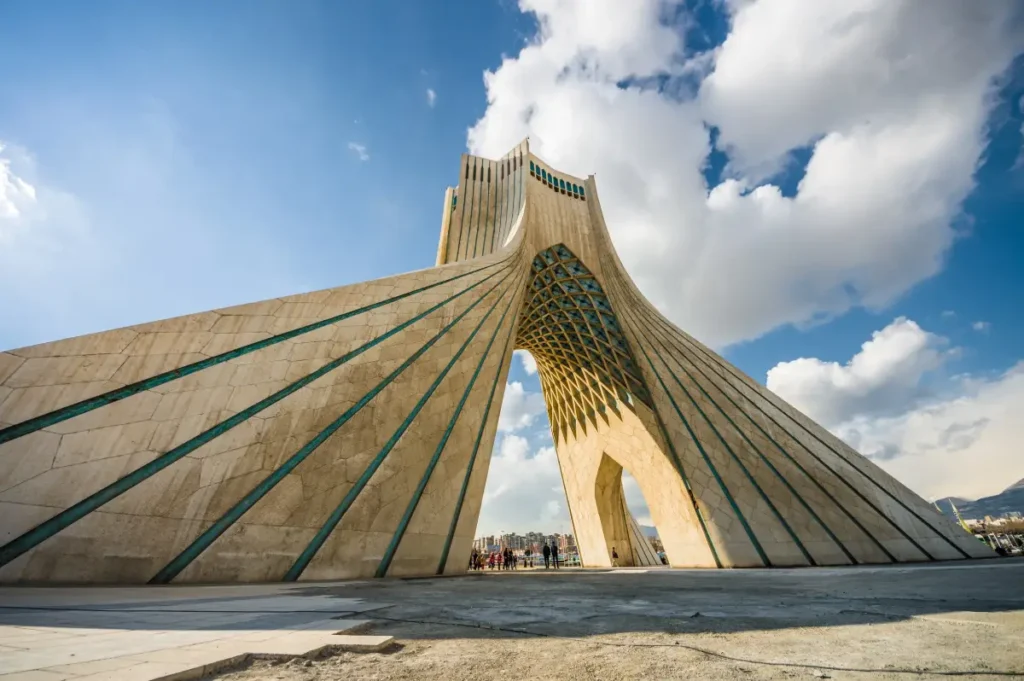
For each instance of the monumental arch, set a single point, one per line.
(347, 432)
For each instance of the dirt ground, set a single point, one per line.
(903, 622)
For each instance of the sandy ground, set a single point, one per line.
(904, 622)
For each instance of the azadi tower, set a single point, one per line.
(347, 432)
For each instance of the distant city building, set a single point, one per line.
(532, 541)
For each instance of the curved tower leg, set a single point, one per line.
(320, 436)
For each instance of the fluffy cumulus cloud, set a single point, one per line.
(893, 402)
(524, 490)
(519, 408)
(885, 375)
(16, 194)
(39, 225)
(888, 97)
(851, 133)
(527, 360)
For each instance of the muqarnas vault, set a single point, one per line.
(348, 432)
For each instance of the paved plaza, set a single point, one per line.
(907, 621)
(147, 633)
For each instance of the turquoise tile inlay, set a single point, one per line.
(336, 515)
(746, 472)
(796, 463)
(850, 486)
(707, 461)
(201, 543)
(45, 420)
(686, 480)
(810, 511)
(389, 554)
(76, 512)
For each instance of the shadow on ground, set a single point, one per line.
(961, 619)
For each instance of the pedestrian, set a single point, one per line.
(547, 556)
(554, 554)
(473, 559)
(615, 558)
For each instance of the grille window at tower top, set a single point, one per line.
(576, 191)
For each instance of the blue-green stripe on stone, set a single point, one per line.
(467, 207)
(846, 482)
(501, 206)
(476, 237)
(711, 467)
(784, 453)
(472, 458)
(73, 514)
(686, 484)
(389, 554)
(45, 420)
(296, 570)
(475, 209)
(750, 478)
(221, 525)
(676, 460)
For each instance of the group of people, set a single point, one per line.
(506, 559)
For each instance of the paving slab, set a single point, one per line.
(167, 633)
(926, 621)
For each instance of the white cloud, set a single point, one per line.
(519, 408)
(39, 225)
(360, 151)
(635, 499)
(431, 98)
(527, 360)
(891, 94)
(885, 375)
(964, 441)
(948, 314)
(524, 490)
(132, 196)
(982, 327)
(16, 194)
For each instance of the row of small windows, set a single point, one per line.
(556, 183)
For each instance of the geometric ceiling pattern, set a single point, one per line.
(584, 360)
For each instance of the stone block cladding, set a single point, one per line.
(347, 433)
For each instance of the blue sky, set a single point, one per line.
(203, 155)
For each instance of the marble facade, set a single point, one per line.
(347, 433)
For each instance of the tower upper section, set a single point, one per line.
(487, 208)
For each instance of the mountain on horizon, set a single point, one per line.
(1010, 499)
